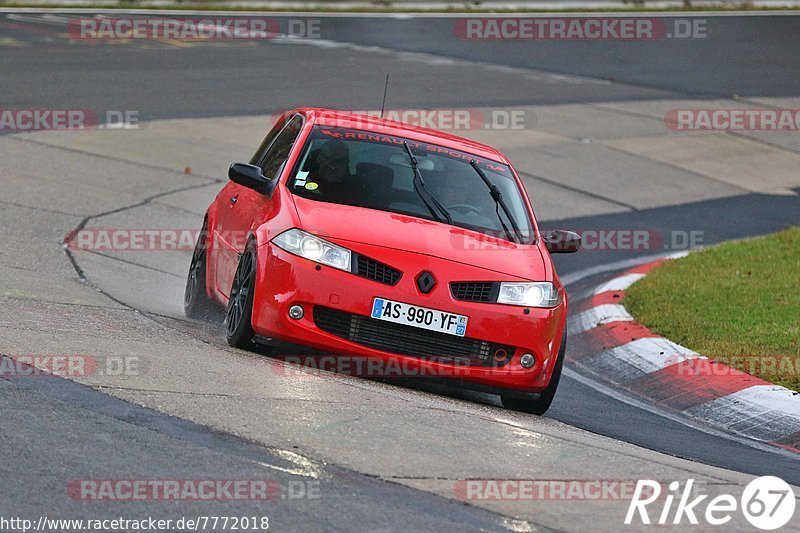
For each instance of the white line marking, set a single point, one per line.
(52, 20)
(774, 397)
(678, 255)
(765, 412)
(597, 316)
(637, 358)
(620, 283)
(575, 277)
(651, 408)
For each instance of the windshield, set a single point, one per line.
(374, 170)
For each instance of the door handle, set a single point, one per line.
(234, 199)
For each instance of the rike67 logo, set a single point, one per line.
(767, 503)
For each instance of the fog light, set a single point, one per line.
(296, 312)
(527, 360)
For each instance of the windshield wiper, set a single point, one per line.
(497, 196)
(428, 199)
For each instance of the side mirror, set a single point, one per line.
(560, 241)
(250, 176)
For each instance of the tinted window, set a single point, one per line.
(258, 157)
(373, 170)
(279, 149)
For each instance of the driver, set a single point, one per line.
(449, 191)
(332, 173)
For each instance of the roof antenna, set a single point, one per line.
(385, 89)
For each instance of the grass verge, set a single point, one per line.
(737, 303)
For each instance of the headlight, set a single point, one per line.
(304, 244)
(538, 294)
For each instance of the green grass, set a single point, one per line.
(737, 303)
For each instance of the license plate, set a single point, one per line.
(419, 317)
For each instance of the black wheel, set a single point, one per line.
(238, 329)
(539, 404)
(196, 303)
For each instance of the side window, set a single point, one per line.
(267, 142)
(278, 152)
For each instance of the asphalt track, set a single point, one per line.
(55, 430)
(748, 56)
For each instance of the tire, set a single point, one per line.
(238, 315)
(539, 404)
(196, 302)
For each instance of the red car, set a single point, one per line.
(365, 237)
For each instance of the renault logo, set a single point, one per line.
(425, 282)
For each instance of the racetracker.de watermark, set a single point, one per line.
(22, 120)
(372, 367)
(595, 239)
(205, 28)
(443, 119)
(545, 489)
(733, 119)
(184, 239)
(133, 490)
(142, 239)
(758, 365)
(579, 28)
(68, 365)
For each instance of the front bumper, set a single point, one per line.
(285, 280)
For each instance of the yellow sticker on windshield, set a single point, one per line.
(311, 186)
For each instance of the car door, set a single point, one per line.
(246, 206)
(223, 254)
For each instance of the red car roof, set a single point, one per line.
(343, 119)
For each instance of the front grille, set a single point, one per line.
(475, 291)
(407, 340)
(371, 269)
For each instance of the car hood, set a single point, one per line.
(401, 232)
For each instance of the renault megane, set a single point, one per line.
(357, 235)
